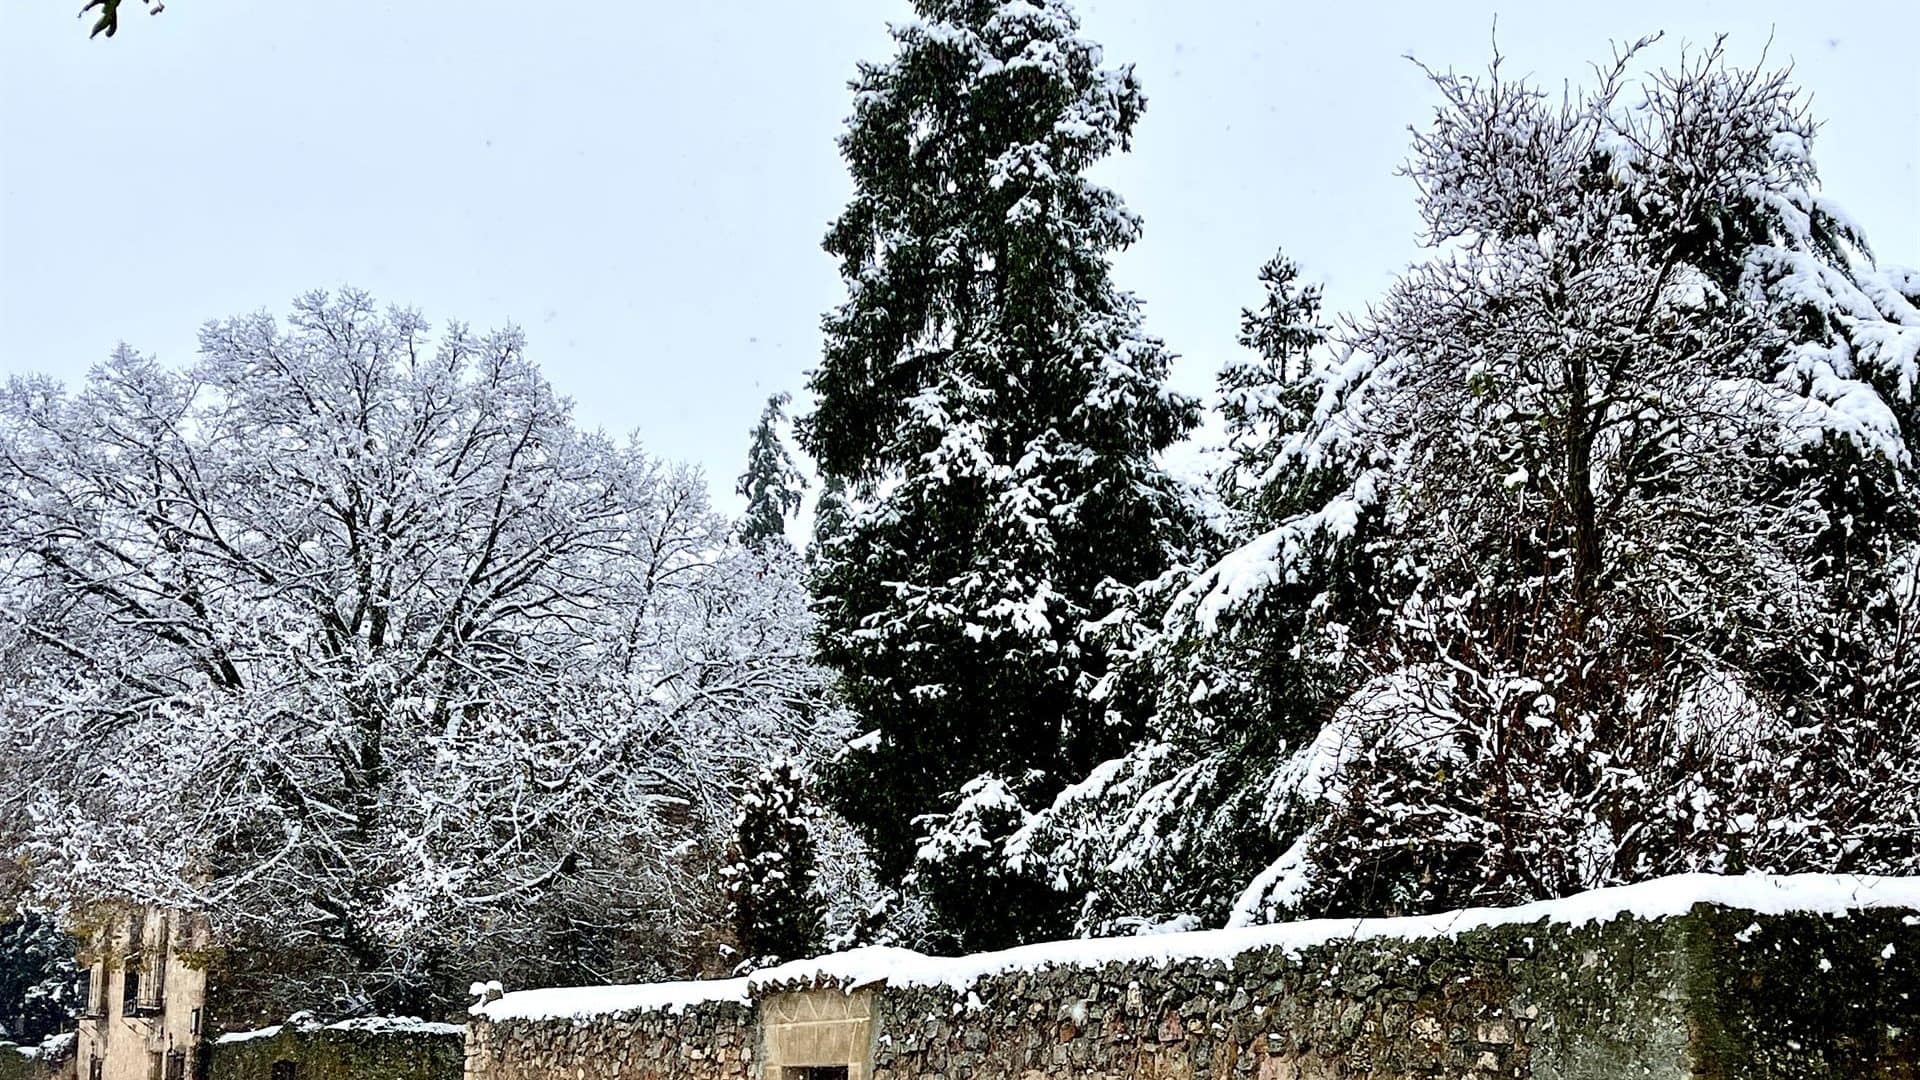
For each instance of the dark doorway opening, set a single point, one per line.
(815, 1072)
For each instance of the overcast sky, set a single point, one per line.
(644, 186)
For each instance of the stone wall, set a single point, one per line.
(355, 1050)
(51, 1060)
(1551, 1003)
(702, 1041)
(1681, 998)
(1703, 991)
(1795, 996)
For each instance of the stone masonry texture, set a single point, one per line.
(1717, 994)
(335, 1054)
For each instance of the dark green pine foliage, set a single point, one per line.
(39, 990)
(773, 908)
(1234, 696)
(771, 484)
(1269, 683)
(990, 403)
(1267, 399)
(1266, 396)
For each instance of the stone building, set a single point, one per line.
(144, 996)
(146, 975)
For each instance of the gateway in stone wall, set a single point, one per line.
(1698, 976)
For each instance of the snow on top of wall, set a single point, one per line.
(247, 1036)
(53, 1046)
(1762, 894)
(406, 1025)
(559, 1003)
(398, 1025)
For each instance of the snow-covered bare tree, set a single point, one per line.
(1629, 468)
(352, 641)
(989, 410)
(1600, 533)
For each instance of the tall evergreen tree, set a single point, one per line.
(769, 881)
(1173, 830)
(1265, 393)
(771, 483)
(992, 405)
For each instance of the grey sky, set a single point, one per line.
(644, 186)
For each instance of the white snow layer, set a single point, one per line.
(558, 1003)
(248, 1036)
(407, 1025)
(1762, 894)
(52, 1047)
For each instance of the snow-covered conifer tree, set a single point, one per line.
(771, 878)
(992, 406)
(771, 484)
(1265, 393)
(39, 984)
(1169, 833)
